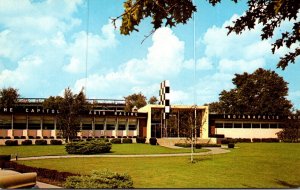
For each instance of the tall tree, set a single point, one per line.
(153, 100)
(71, 107)
(138, 100)
(52, 102)
(262, 92)
(8, 97)
(269, 13)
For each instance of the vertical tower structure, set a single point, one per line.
(164, 98)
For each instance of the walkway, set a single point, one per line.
(212, 151)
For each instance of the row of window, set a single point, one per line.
(248, 125)
(51, 126)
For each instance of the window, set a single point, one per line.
(86, 126)
(219, 125)
(34, 126)
(247, 125)
(99, 127)
(49, 126)
(132, 127)
(6, 125)
(121, 127)
(265, 125)
(237, 125)
(167, 89)
(110, 127)
(273, 125)
(255, 125)
(227, 125)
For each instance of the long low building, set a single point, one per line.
(107, 118)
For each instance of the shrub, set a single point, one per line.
(55, 142)
(243, 140)
(140, 139)
(11, 142)
(256, 140)
(116, 141)
(7, 137)
(224, 141)
(153, 141)
(41, 142)
(210, 145)
(23, 137)
(27, 142)
(198, 146)
(30, 137)
(187, 145)
(127, 141)
(88, 147)
(1, 137)
(5, 157)
(45, 137)
(38, 137)
(230, 145)
(16, 137)
(99, 180)
(270, 140)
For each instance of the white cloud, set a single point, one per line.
(239, 66)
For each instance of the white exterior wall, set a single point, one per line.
(247, 133)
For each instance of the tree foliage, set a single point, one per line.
(262, 92)
(153, 100)
(71, 107)
(8, 97)
(269, 13)
(138, 100)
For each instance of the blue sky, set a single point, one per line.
(44, 47)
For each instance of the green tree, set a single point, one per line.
(262, 92)
(71, 107)
(269, 13)
(290, 129)
(138, 100)
(153, 100)
(8, 97)
(52, 102)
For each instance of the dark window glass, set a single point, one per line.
(219, 125)
(167, 102)
(99, 127)
(247, 125)
(255, 125)
(121, 127)
(264, 125)
(19, 125)
(6, 125)
(110, 127)
(49, 126)
(86, 126)
(273, 126)
(132, 127)
(34, 126)
(237, 125)
(227, 125)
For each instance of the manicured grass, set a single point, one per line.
(251, 165)
(117, 149)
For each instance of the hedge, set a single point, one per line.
(55, 142)
(270, 140)
(127, 141)
(153, 141)
(11, 142)
(256, 140)
(40, 142)
(116, 141)
(99, 180)
(230, 145)
(140, 139)
(88, 147)
(27, 142)
(187, 145)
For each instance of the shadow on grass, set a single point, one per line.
(286, 184)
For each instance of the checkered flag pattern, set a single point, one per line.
(164, 97)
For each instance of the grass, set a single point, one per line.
(117, 149)
(251, 165)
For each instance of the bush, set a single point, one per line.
(210, 145)
(23, 137)
(38, 137)
(88, 147)
(55, 142)
(153, 141)
(187, 145)
(5, 157)
(127, 141)
(30, 137)
(243, 140)
(16, 137)
(224, 141)
(270, 140)
(256, 140)
(230, 145)
(41, 142)
(11, 142)
(99, 180)
(27, 142)
(7, 137)
(140, 139)
(116, 141)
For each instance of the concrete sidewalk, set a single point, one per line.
(41, 185)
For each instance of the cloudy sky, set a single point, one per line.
(44, 48)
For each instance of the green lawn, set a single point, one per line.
(253, 165)
(117, 149)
